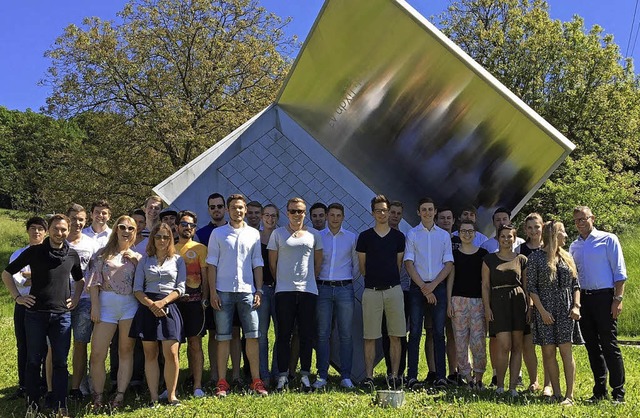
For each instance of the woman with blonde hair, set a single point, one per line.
(553, 285)
(113, 307)
(159, 281)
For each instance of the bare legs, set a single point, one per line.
(171, 367)
(508, 350)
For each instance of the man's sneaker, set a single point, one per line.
(222, 388)
(513, 393)
(198, 393)
(238, 384)
(164, 395)
(596, 398)
(257, 388)
(431, 378)
(413, 384)
(75, 395)
(319, 384)
(499, 391)
(455, 379)
(442, 383)
(367, 384)
(305, 384)
(347, 383)
(283, 382)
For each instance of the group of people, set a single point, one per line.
(156, 281)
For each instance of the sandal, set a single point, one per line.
(97, 401)
(117, 401)
(534, 387)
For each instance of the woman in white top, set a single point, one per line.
(113, 306)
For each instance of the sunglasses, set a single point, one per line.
(212, 207)
(186, 224)
(162, 237)
(296, 211)
(123, 227)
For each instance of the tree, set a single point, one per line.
(183, 73)
(574, 78)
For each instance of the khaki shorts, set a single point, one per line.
(374, 303)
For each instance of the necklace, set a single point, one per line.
(295, 233)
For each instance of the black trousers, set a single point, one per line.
(600, 333)
(292, 306)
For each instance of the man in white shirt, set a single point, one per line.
(99, 231)
(501, 216)
(335, 294)
(235, 262)
(429, 260)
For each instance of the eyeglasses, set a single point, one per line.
(466, 231)
(296, 211)
(380, 211)
(161, 237)
(212, 207)
(186, 224)
(123, 227)
(581, 220)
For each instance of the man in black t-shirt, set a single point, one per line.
(48, 307)
(380, 251)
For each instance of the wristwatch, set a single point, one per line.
(618, 298)
(205, 303)
(260, 291)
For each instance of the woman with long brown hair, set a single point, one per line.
(159, 282)
(113, 307)
(553, 285)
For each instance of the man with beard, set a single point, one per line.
(195, 299)
(254, 214)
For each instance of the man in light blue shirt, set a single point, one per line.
(602, 274)
(335, 294)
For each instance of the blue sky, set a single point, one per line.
(30, 27)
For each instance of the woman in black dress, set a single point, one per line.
(553, 286)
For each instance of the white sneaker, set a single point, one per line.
(320, 383)
(283, 381)
(347, 383)
(306, 384)
(198, 393)
(164, 395)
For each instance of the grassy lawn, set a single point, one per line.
(336, 403)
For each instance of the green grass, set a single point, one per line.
(336, 403)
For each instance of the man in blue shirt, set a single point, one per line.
(601, 274)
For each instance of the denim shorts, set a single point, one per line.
(81, 321)
(243, 302)
(115, 307)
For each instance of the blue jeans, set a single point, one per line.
(243, 302)
(266, 313)
(417, 307)
(335, 302)
(39, 326)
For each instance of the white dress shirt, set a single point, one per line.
(429, 249)
(339, 258)
(100, 237)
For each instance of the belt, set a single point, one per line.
(335, 283)
(596, 291)
(379, 288)
(506, 286)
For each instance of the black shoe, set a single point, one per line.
(367, 384)
(596, 398)
(76, 395)
(442, 383)
(619, 400)
(414, 384)
(494, 381)
(20, 393)
(394, 383)
(431, 378)
(48, 400)
(455, 379)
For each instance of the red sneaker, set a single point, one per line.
(222, 388)
(257, 387)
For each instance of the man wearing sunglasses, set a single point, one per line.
(215, 207)
(196, 298)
